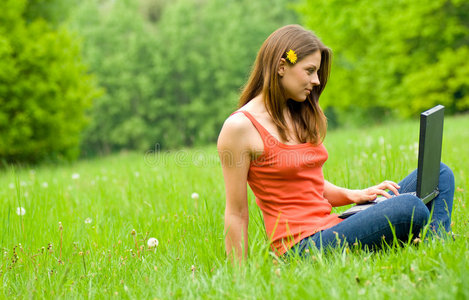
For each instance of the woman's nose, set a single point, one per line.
(315, 80)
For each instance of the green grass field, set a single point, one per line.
(93, 253)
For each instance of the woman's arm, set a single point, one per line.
(235, 156)
(338, 196)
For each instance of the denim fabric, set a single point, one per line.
(406, 213)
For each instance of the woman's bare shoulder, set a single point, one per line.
(236, 127)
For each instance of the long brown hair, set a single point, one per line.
(309, 121)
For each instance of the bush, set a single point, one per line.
(44, 89)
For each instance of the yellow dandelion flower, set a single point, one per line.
(291, 56)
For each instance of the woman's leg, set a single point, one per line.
(371, 227)
(442, 205)
(406, 213)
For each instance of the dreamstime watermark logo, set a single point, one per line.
(291, 158)
(181, 158)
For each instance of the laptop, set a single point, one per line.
(429, 157)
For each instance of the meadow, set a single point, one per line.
(81, 230)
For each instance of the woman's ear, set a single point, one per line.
(281, 67)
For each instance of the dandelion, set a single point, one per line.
(133, 232)
(23, 183)
(193, 271)
(11, 186)
(88, 220)
(20, 211)
(137, 174)
(75, 176)
(152, 243)
(381, 140)
(195, 196)
(291, 56)
(45, 185)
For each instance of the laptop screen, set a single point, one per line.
(430, 141)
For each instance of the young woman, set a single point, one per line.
(274, 143)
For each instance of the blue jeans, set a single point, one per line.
(407, 214)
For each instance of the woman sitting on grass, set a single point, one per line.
(274, 143)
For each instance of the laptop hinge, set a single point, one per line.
(430, 196)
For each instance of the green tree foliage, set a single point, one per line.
(172, 71)
(52, 11)
(210, 49)
(120, 53)
(394, 55)
(44, 89)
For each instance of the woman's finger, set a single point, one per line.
(390, 185)
(382, 192)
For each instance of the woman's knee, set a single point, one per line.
(446, 174)
(412, 210)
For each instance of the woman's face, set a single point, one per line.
(299, 79)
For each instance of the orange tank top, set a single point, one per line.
(288, 183)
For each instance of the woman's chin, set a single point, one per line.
(298, 99)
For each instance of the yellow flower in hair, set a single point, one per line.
(291, 56)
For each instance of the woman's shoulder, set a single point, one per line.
(237, 124)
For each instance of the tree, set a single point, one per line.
(401, 56)
(171, 74)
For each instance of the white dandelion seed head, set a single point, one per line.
(75, 176)
(381, 140)
(152, 243)
(11, 186)
(23, 183)
(20, 211)
(195, 196)
(45, 185)
(26, 194)
(137, 174)
(88, 220)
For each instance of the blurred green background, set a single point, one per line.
(93, 77)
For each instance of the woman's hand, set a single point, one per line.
(369, 194)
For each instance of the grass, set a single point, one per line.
(151, 193)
